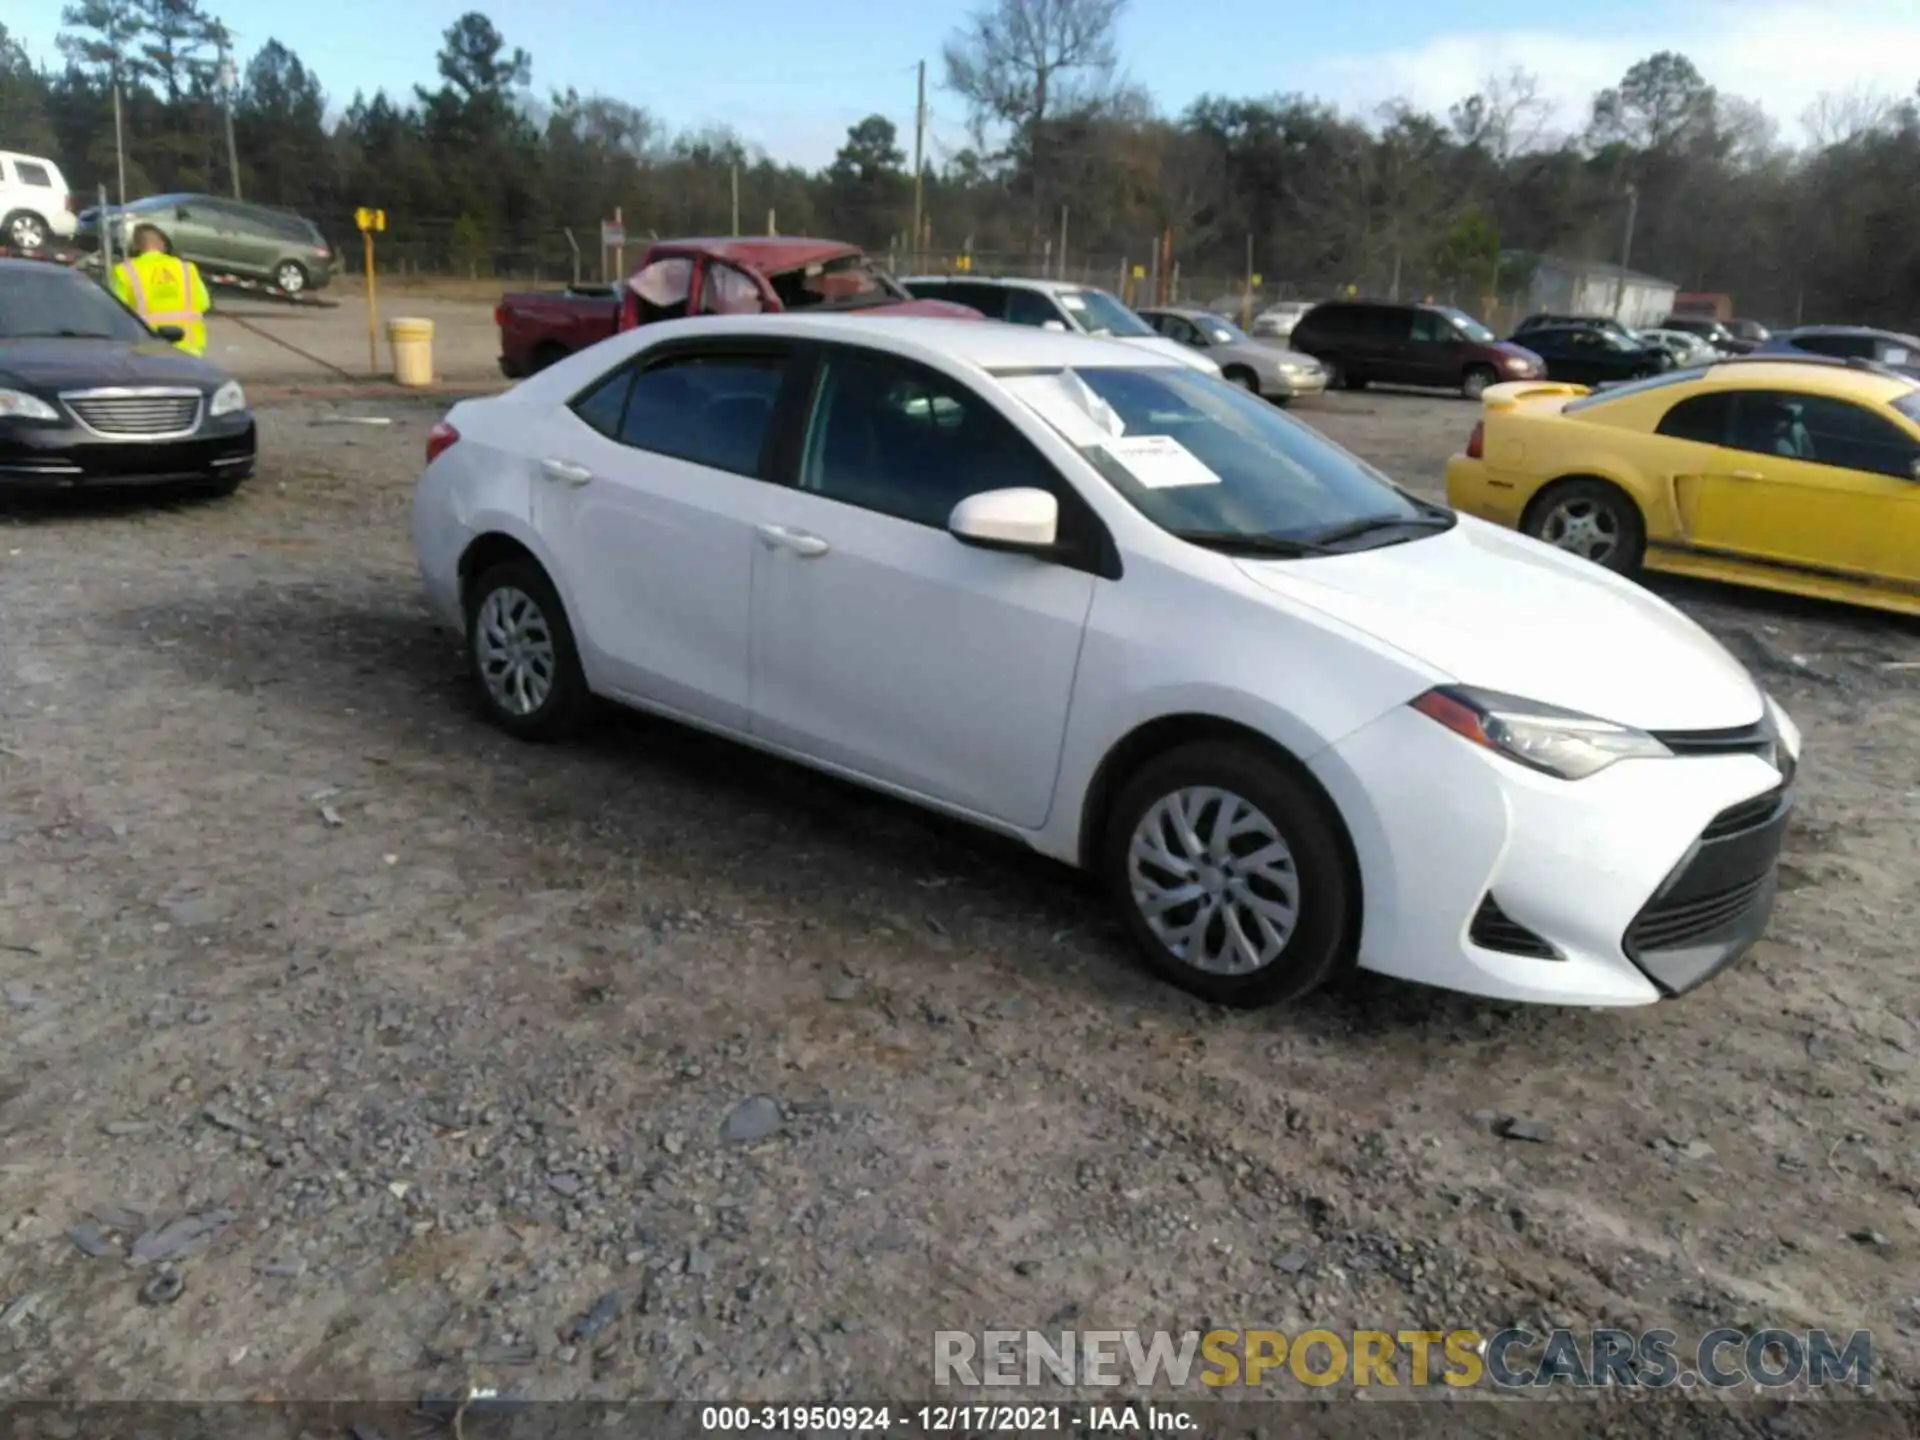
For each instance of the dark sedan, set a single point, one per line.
(1584, 355)
(90, 397)
(1848, 342)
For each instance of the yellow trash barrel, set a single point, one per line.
(412, 341)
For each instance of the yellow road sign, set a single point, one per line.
(1254, 280)
(1139, 272)
(368, 219)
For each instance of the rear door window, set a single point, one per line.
(712, 410)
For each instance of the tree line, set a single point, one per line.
(479, 174)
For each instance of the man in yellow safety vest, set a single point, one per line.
(163, 289)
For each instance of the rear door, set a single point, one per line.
(648, 492)
(1386, 345)
(1434, 350)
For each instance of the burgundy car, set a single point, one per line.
(1363, 341)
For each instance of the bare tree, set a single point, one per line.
(1505, 117)
(1022, 63)
(1837, 116)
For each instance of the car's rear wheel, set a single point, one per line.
(1229, 874)
(522, 652)
(26, 230)
(1593, 519)
(1474, 383)
(291, 276)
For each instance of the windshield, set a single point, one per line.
(1221, 332)
(1470, 327)
(48, 300)
(846, 281)
(1203, 459)
(1098, 313)
(1909, 405)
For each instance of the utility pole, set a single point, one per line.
(1626, 251)
(735, 171)
(919, 159)
(229, 82)
(1063, 242)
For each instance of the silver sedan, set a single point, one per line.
(1264, 368)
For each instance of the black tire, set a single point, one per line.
(567, 702)
(26, 230)
(1321, 944)
(1336, 374)
(1245, 379)
(1474, 383)
(291, 276)
(1611, 510)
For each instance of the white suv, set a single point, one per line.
(34, 203)
(1053, 305)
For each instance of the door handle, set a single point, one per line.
(565, 471)
(1745, 475)
(779, 537)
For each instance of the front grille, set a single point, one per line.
(1669, 924)
(1756, 739)
(137, 415)
(1494, 929)
(1744, 816)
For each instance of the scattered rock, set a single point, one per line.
(1539, 1132)
(567, 1185)
(1293, 1262)
(604, 1312)
(330, 817)
(1871, 1238)
(188, 1235)
(1026, 1267)
(21, 997)
(92, 1240)
(1698, 1150)
(226, 1120)
(844, 989)
(119, 1128)
(163, 1287)
(699, 1263)
(118, 1217)
(290, 1268)
(673, 1142)
(1484, 1119)
(754, 1118)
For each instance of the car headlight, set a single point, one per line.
(1787, 731)
(1517, 365)
(1541, 737)
(227, 399)
(18, 405)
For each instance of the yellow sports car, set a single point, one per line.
(1800, 475)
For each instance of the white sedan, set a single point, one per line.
(1296, 718)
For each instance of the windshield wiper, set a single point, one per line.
(1374, 524)
(1251, 543)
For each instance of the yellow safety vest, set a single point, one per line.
(165, 290)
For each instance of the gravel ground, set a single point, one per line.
(403, 1057)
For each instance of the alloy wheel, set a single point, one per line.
(290, 278)
(1214, 880)
(1583, 527)
(27, 232)
(513, 647)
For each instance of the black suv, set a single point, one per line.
(1362, 341)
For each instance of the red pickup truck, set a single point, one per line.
(741, 275)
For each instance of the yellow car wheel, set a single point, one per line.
(1593, 519)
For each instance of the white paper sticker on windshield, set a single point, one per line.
(1072, 302)
(1160, 462)
(1896, 355)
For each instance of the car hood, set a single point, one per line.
(1186, 354)
(73, 364)
(1266, 355)
(1497, 610)
(943, 309)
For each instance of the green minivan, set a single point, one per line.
(256, 242)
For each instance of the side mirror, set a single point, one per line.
(1059, 326)
(1019, 519)
(173, 333)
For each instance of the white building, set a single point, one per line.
(1595, 287)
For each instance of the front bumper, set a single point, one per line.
(36, 456)
(1642, 881)
(1292, 387)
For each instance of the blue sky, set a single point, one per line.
(791, 79)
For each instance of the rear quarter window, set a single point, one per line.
(1630, 388)
(33, 174)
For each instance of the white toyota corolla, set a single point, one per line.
(1296, 718)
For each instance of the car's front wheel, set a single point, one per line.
(1593, 519)
(1475, 382)
(291, 277)
(1230, 874)
(522, 653)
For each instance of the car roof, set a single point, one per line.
(768, 254)
(1843, 330)
(1813, 373)
(925, 337)
(1012, 282)
(23, 155)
